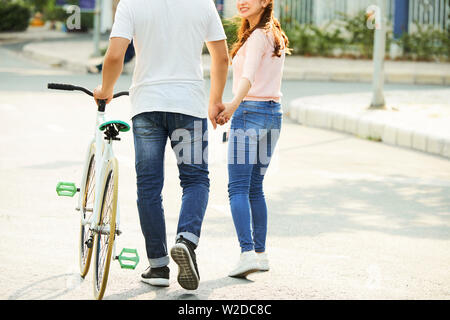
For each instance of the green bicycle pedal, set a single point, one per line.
(128, 258)
(66, 189)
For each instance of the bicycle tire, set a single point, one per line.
(85, 253)
(104, 243)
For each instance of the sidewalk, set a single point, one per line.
(72, 55)
(33, 33)
(62, 53)
(419, 120)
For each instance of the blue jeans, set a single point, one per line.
(255, 128)
(151, 130)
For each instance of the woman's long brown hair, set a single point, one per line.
(267, 22)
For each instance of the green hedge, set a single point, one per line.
(54, 13)
(231, 27)
(425, 44)
(14, 16)
(349, 37)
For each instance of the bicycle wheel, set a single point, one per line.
(85, 249)
(104, 238)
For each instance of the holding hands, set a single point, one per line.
(226, 114)
(230, 107)
(221, 113)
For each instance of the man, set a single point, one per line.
(168, 101)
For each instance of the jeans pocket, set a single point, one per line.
(277, 121)
(254, 120)
(237, 122)
(143, 130)
(143, 126)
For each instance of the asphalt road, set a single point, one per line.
(348, 218)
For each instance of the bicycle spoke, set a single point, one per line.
(87, 211)
(103, 241)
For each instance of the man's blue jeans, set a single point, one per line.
(255, 129)
(188, 137)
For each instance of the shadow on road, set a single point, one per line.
(48, 288)
(395, 205)
(204, 291)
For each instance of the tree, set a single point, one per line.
(37, 5)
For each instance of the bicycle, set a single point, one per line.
(100, 215)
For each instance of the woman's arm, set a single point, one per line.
(230, 107)
(256, 47)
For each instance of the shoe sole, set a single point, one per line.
(187, 276)
(264, 268)
(157, 282)
(245, 273)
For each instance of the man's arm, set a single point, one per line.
(112, 68)
(219, 72)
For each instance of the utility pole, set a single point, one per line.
(379, 53)
(96, 37)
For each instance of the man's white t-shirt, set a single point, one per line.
(168, 37)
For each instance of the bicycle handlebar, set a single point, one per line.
(69, 87)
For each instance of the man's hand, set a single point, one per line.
(225, 116)
(100, 94)
(213, 111)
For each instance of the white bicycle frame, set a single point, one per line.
(104, 153)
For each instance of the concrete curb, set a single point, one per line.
(35, 52)
(309, 73)
(375, 125)
(42, 56)
(392, 77)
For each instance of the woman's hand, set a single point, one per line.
(100, 94)
(227, 113)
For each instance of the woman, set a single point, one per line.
(258, 59)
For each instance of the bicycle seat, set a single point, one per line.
(116, 124)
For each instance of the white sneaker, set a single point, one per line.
(263, 261)
(248, 263)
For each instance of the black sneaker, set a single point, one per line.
(183, 254)
(158, 277)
